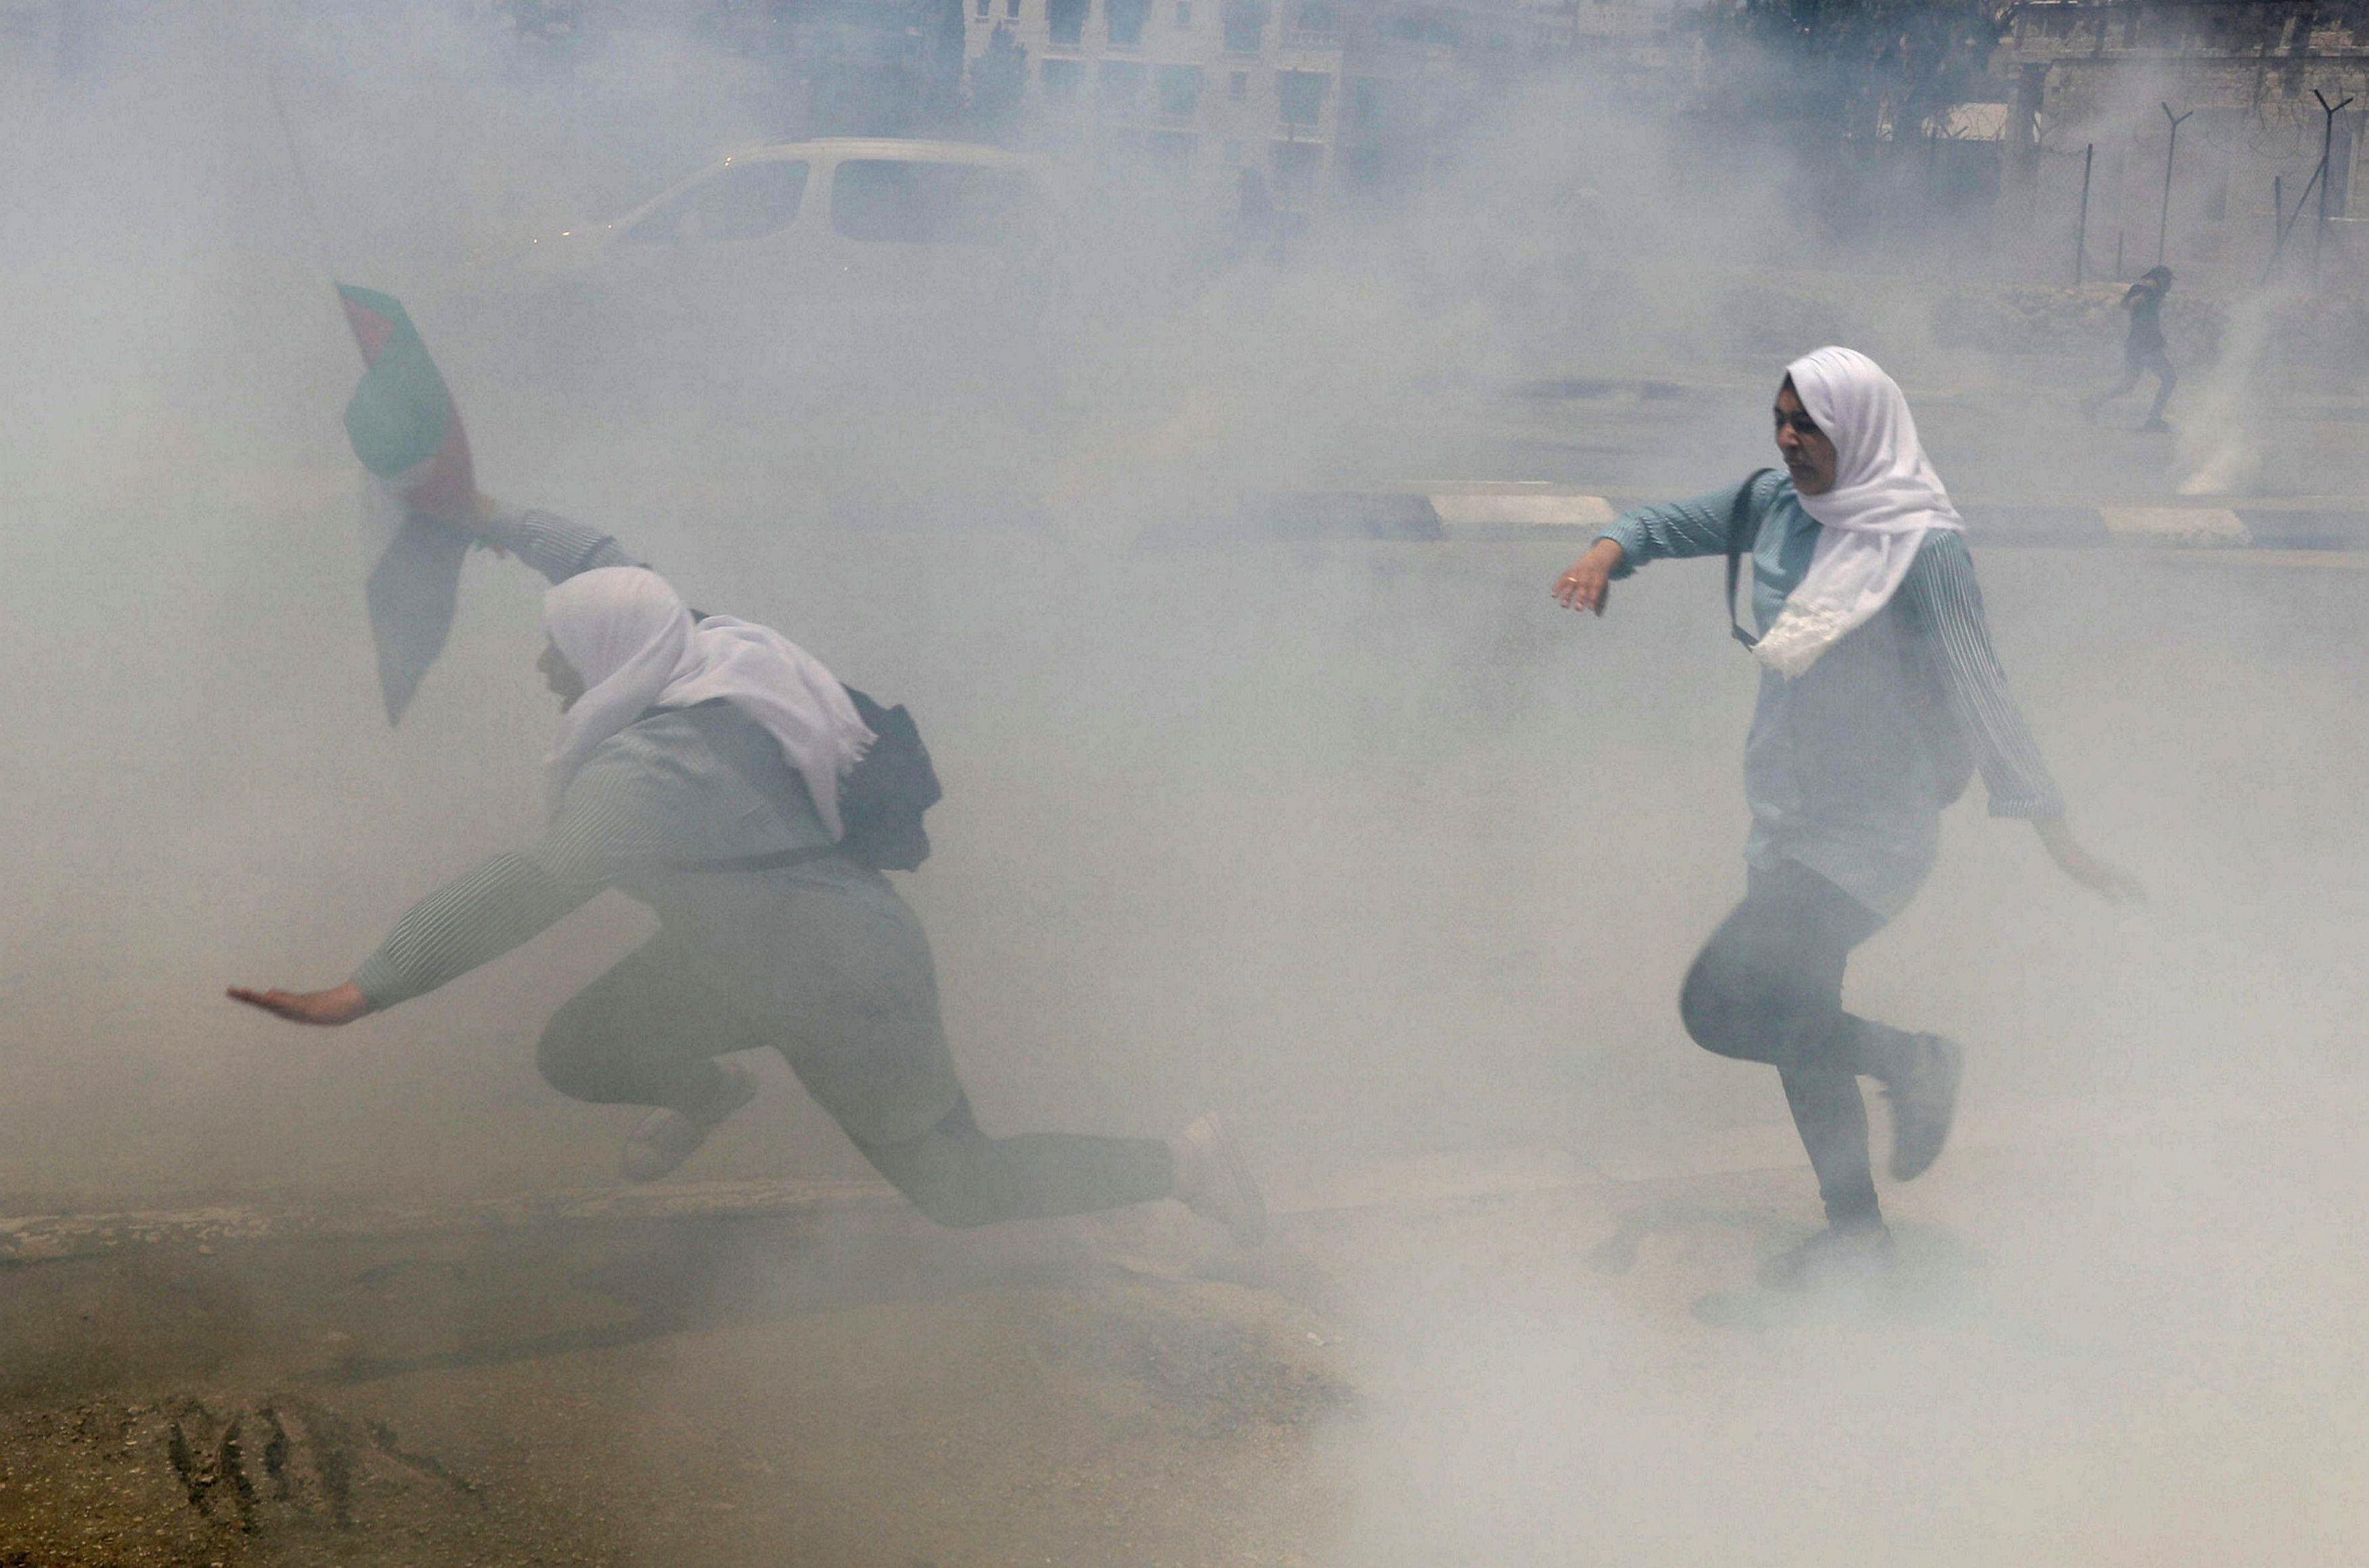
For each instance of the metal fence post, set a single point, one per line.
(2329, 112)
(2163, 227)
(2278, 221)
(2081, 230)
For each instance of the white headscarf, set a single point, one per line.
(636, 647)
(1885, 500)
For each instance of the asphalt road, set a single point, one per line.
(2120, 1333)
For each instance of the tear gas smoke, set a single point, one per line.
(1358, 841)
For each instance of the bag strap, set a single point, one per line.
(771, 861)
(1736, 547)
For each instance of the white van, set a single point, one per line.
(848, 217)
(836, 269)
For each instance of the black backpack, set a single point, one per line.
(882, 798)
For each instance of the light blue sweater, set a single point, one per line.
(1847, 766)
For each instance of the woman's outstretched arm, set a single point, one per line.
(1941, 591)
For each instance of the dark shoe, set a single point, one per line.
(1831, 1258)
(666, 1137)
(1924, 1103)
(2155, 427)
(1214, 1182)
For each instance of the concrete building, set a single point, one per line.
(1419, 71)
(1325, 100)
(1194, 91)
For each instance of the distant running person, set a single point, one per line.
(2144, 353)
(698, 769)
(1879, 696)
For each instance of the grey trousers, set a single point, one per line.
(648, 1031)
(1768, 988)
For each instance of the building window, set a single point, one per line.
(1180, 91)
(1423, 27)
(1066, 21)
(1011, 9)
(1234, 152)
(1317, 22)
(1245, 25)
(1062, 78)
(1300, 95)
(1124, 18)
(1238, 85)
(1183, 16)
(1118, 85)
(1362, 168)
(1170, 152)
(1365, 103)
(1295, 163)
(983, 6)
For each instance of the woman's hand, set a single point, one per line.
(2107, 880)
(483, 519)
(1588, 584)
(339, 1005)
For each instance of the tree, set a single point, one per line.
(1849, 68)
(998, 79)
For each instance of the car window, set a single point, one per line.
(739, 201)
(926, 204)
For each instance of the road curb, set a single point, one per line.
(58, 1238)
(45, 1238)
(1506, 513)
(1663, 1155)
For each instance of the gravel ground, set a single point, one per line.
(857, 1391)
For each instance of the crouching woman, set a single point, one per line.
(697, 770)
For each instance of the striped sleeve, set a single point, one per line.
(1940, 587)
(1673, 530)
(470, 920)
(606, 827)
(556, 546)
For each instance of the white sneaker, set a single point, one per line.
(666, 1137)
(1924, 1103)
(1214, 1182)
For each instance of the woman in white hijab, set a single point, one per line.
(635, 646)
(698, 769)
(1880, 695)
